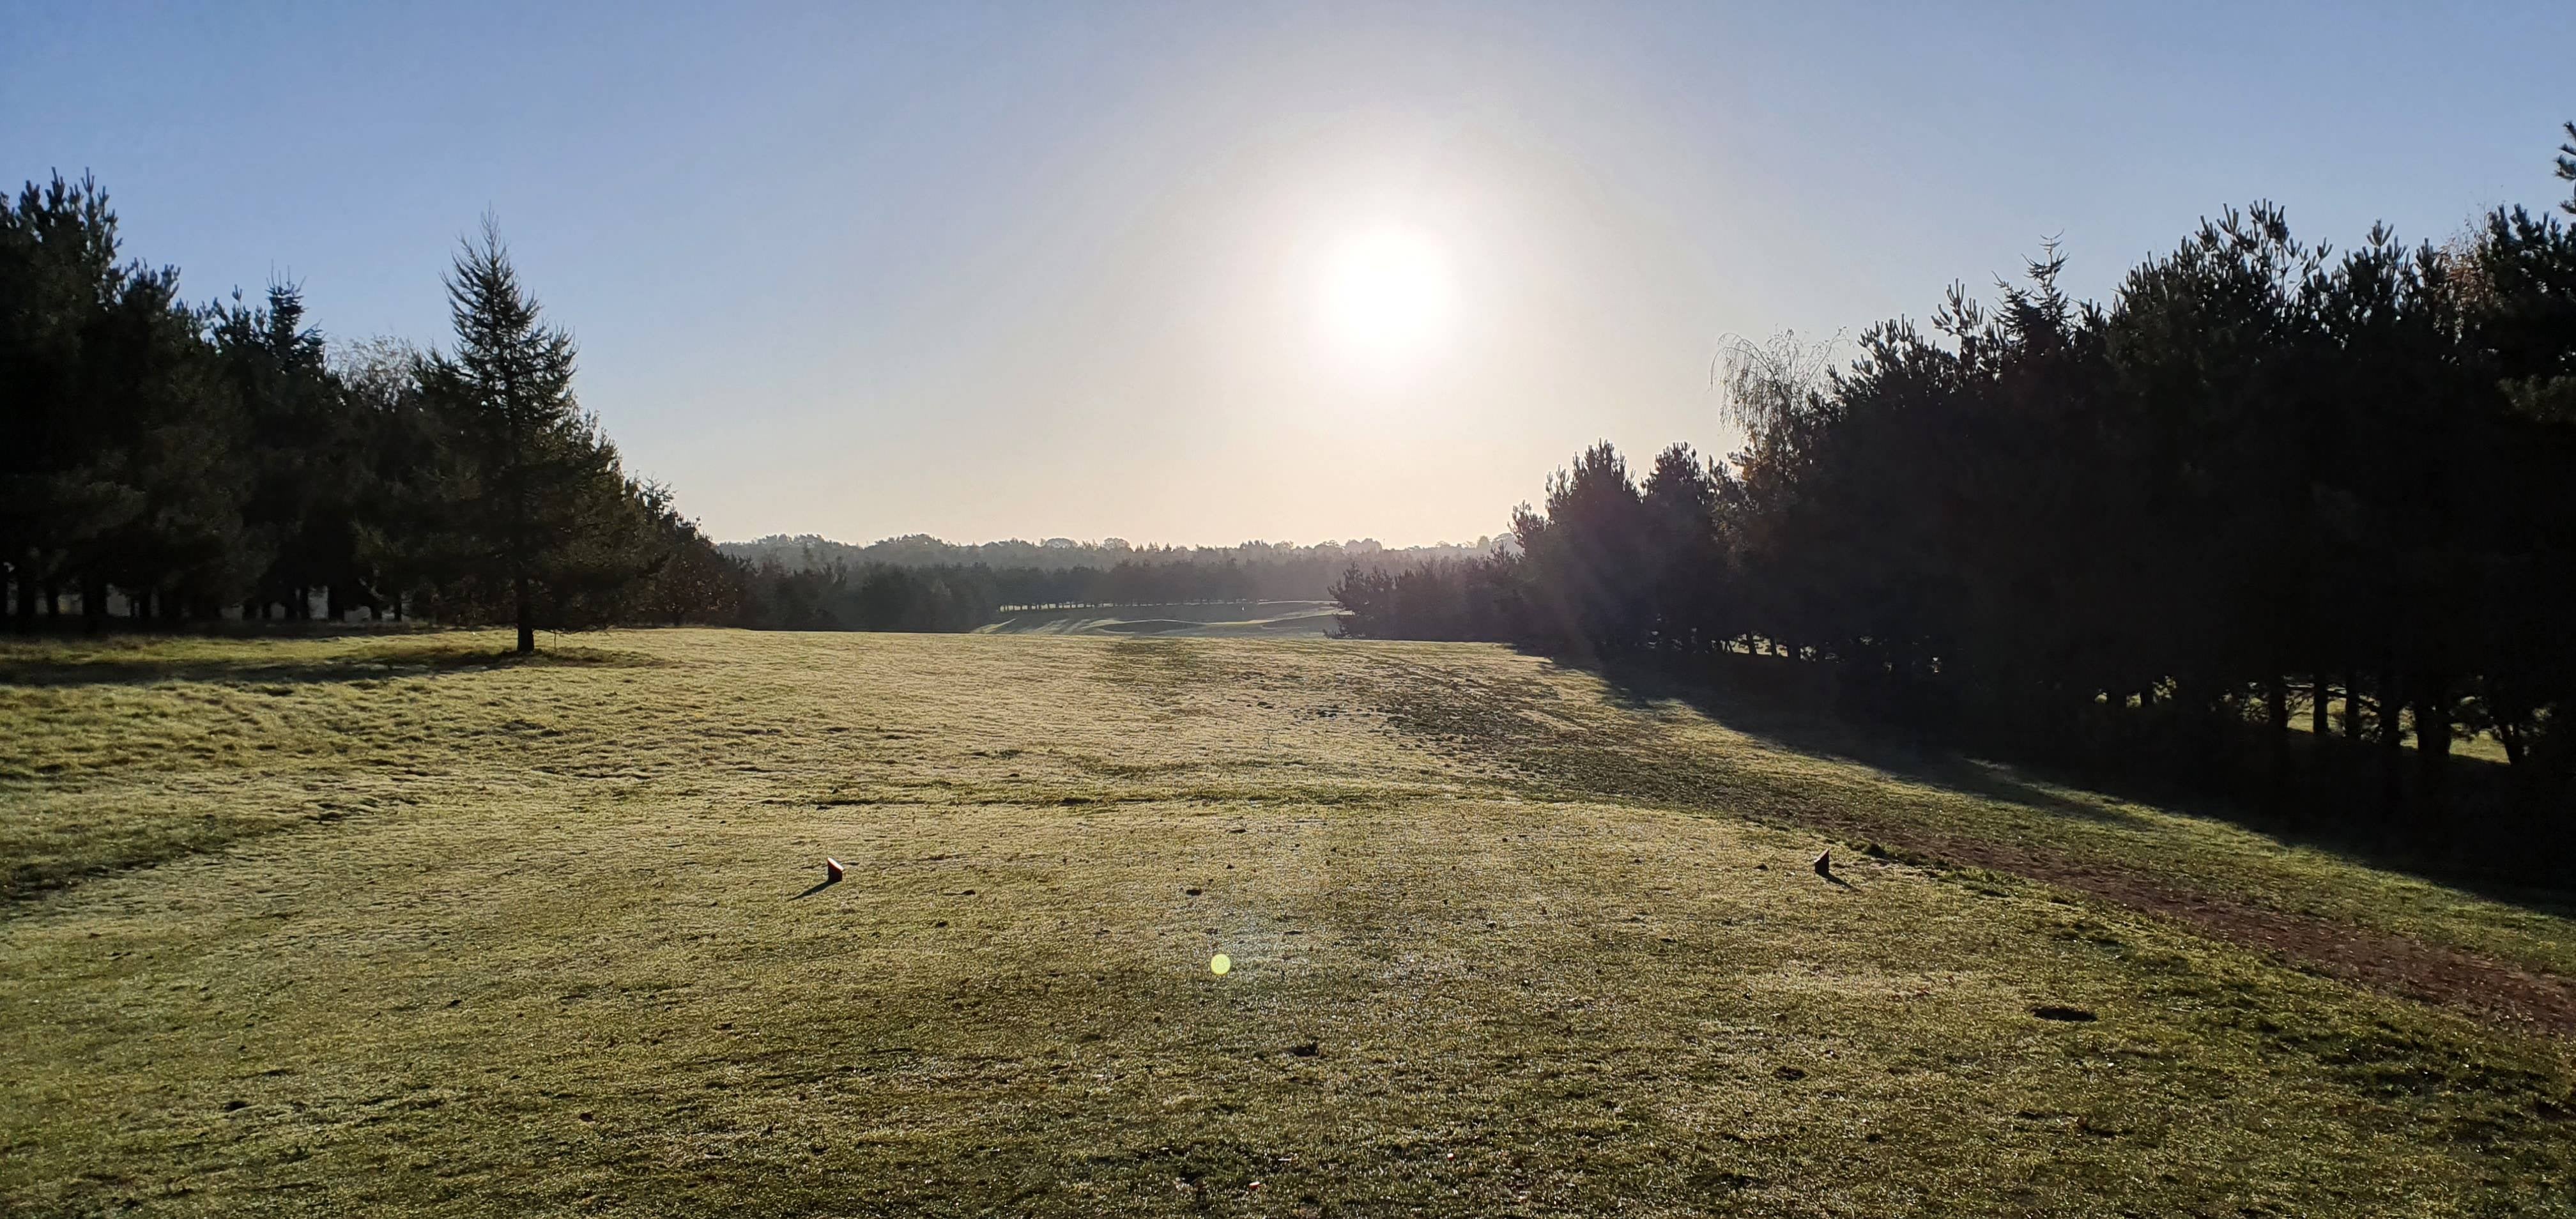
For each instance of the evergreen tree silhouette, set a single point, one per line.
(532, 491)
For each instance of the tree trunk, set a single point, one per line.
(331, 602)
(93, 604)
(2352, 706)
(2432, 732)
(2276, 713)
(2320, 724)
(527, 619)
(2392, 744)
(26, 603)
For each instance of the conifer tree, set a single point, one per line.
(2567, 166)
(60, 484)
(538, 515)
(304, 451)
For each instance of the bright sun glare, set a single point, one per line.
(1387, 294)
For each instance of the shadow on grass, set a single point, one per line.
(1781, 721)
(2488, 856)
(134, 662)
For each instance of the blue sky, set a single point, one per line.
(1031, 270)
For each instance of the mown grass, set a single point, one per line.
(1767, 760)
(394, 926)
(1203, 620)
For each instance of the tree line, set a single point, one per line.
(1061, 571)
(829, 593)
(2266, 486)
(169, 463)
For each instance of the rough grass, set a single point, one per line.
(400, 927)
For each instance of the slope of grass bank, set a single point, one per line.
(399, 926)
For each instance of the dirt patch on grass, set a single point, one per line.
(1626, 760)
(2394, 964)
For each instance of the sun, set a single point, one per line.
(1387, 294)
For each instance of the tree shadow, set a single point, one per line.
(132, 662)
(2500, 860)
(1795, 720)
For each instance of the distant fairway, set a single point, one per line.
(381, 925)
(1263, 619)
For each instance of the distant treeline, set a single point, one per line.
(869, 597)
(824, 590)
(1061, 571)
(178, 463)
(2266, 482)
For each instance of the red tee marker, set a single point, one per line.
(831, 868)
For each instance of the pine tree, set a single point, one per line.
(123, 457)
(307, 474)
(538, 517)
(61, 484)
(1686, 568)
(2567, 166)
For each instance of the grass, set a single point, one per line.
(398, 926)
(1756, 761)
(1260, 619)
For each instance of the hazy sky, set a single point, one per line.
(1209, 272)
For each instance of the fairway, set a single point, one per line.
(385, 924)
(1270, 619)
